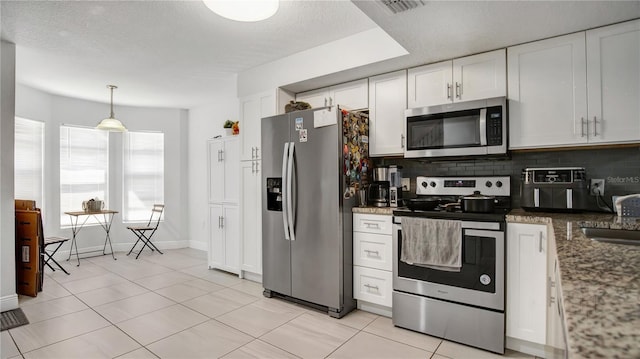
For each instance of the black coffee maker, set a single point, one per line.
(379, 194)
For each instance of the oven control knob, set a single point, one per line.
(433, 184)
(499, 184)
(485, 279)
(424, 184)
(488, 184)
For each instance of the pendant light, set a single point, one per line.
(244, 10)
(111, 123)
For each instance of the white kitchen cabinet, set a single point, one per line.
(252, 109)
(555, 317)
(224, 164)
(613, 83)
(527, 282)
(224, 237)
(352, 95)
(575, 90)
(251, 217)
(387, 103)
(464, 79)
(373, 262)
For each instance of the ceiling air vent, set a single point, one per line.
(396, 6)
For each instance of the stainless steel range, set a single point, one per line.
(463, 298)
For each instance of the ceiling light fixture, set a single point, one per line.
(111, 123)
(243, 10)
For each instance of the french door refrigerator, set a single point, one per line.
(313, 162)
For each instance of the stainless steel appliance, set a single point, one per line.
(468, 305)
(379, 194)
(395, 186)
(312, 163)
(461, 129)
(554, 189)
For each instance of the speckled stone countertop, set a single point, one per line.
(373, 210)
(600, 284)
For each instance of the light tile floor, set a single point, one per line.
(172, 306)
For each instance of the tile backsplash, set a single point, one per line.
(619, 167)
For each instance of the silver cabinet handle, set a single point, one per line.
(402, 140)
(257, 167)
(550, 284)
(330, 101)
(458, 92)
(595, 126)
(540, 242)
(257, 153)
(372, 225)
(253, 152)
(253, 167)
(449, 88)
(221, 222)
(369, 286)
(368, 251)
(325, 102)
(219, 155)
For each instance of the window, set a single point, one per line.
(143, 174)
(84, 169)
(29, 160)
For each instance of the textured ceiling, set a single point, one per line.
(159, 53)
(179, 54)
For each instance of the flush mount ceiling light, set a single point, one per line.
(243, 10)
(111, 123)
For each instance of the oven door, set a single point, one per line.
(480, 281)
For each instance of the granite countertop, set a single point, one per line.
(600, 284)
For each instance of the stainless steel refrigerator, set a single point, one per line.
(313, 162)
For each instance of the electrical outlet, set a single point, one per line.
(406, 184)
(597, 187)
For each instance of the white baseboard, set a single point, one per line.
(538, 350)
(198, 245)
(374, 308)
(9, 302)
(123, 247)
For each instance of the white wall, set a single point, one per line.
(57, 110)
(205, 122)
(361, 49)
(8, 297)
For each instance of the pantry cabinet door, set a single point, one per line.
(613, 78)
(547, 93)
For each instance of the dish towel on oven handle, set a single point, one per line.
(432, 243)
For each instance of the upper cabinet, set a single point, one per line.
(252, 110)
(613, 83)
(387, 103)
(464, 79)
(352, 95)
(577, 89)
(224, 169)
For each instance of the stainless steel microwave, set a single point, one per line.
(472, 128)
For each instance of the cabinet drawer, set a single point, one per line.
(372, 285)
(372, 223)
(372, 250)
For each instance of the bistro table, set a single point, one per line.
(104, 218)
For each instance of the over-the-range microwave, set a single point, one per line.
(472, 128)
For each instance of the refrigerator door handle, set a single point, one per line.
(285, 156)
(289, 196)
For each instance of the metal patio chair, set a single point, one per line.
(151, 227)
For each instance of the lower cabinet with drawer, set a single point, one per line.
(372, 259)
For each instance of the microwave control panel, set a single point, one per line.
(494, 126)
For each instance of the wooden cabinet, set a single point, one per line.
(373, 262)
(224, 251)
(613, 83)
(352, 95)
(223, 170)
(464, 79)
(527, 282)
(574, 90)
(251, 211)
(387, 103)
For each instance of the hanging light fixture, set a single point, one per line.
(244, 10)
(111, 123)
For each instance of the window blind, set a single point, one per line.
(29, 160)
(143, 174)
(84, 169)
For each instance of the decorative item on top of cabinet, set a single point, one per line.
(468, 78)
(387, 103)
(556, 92)
(350, 95)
